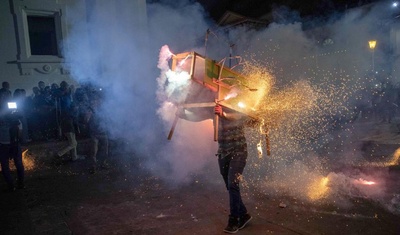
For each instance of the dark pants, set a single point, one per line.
(231, 166)
(7, 152)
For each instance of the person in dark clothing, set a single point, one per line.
(98, 135)
(50, 128)
(41, 86)
(63, 94)
(232, 157)
(68, 119)
(10, 148)
(5, 96)
(19, 97)
(63, 100)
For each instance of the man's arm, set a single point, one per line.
(233, 116)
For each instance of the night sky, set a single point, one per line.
(258, 8)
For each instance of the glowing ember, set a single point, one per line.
(259, 149)
(395, 159)
(319, 189)
(27, 160)
(29, 163)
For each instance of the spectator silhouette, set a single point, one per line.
(5, 96)
(68, 118)
(19, 96)
(98, 135)
(41, 86)
(44, 109)
(10, 148)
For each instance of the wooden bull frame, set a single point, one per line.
(214, 77)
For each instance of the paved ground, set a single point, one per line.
(125, 199)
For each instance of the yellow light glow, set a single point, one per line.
(395, 159)
(372, 44)
(318, 189)
(241, 105)
(27, 161)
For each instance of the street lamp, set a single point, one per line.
(372, 45)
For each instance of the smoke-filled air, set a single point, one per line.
(304, 91)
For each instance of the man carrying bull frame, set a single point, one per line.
(232, 157)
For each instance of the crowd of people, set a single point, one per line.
(379, 104)
(56, 112)
(42, 111)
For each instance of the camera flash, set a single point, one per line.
(12, 105)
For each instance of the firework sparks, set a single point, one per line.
(299, 114)
(318, 189)
(29, 164)
(395, 159)
(27, 161)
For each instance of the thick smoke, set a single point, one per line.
(330, 71)
(112, 49)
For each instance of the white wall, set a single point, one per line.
(17, 65)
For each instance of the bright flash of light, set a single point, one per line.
(395, 4)
(241, 105)
(230, 95)
(174, 86)
(178, 78)
(363, 181)
(372, 44)
(259, 150)
(183, 61)
(318, 189)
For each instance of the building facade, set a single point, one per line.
(34, 33)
